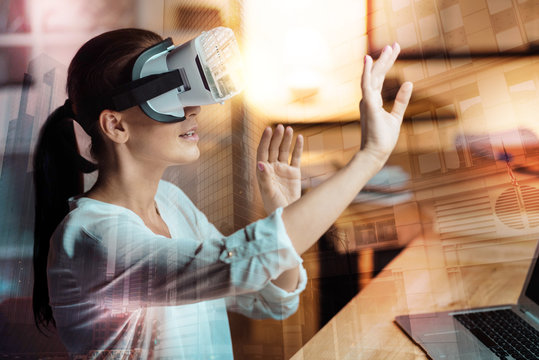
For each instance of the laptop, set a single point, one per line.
(496, 332)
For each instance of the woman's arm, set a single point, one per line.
(308, 218)
(104, 253)
(279, 181)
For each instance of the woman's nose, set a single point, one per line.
(191, 110)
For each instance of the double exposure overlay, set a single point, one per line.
(464, 175)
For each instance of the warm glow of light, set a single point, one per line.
(307, 56)
(303, 59)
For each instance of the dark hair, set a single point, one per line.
(101, 65)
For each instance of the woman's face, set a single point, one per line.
(166, 143)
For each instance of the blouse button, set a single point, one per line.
(230, 254)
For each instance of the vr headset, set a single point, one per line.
(166, 78)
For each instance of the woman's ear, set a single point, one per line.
(112, 126)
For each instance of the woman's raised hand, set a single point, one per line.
(380, 129)
(278, 180)
(308, 218)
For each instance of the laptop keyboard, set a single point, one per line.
(503, 332)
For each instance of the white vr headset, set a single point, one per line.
(167, 78)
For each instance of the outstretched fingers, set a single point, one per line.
(284, 149)
(262, 153)
(366, 76)
(384, 63)
(381, 63)
(275, 143)
(402, 99)
(386, 60)
(298, 150)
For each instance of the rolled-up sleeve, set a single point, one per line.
(276, 253)
(270, 302)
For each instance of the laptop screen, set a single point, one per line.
(532, 291)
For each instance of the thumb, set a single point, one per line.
(402, 99)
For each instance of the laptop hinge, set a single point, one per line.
(529, 314)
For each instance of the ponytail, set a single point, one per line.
(102, 64)
(58, 169)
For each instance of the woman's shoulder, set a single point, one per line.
(88, 209)
(166, 187)
(178, 201)
(174, 194)
(94, 218)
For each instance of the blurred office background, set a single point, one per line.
(465, 167)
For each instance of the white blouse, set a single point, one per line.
(119, 290)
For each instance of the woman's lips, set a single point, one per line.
(190, 135)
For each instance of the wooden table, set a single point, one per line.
(424, 277)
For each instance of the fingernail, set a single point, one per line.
(260, 166)
(386, 48)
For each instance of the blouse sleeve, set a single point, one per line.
(119, 258)
(271, 301)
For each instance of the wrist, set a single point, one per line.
(270, 207)
(376, 156)
(369, 159)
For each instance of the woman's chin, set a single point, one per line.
(188, 157)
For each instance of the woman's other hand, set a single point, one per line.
(278, 180)
(380, 129)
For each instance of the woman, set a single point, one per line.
(134, 268)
